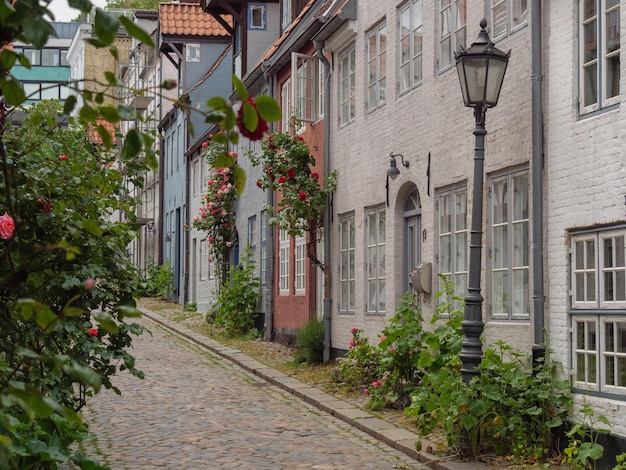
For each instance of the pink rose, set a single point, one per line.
(352, 343)
(90, 284)
(205, 144)
(354, 329)
(7, 226)
(366, 391)
(229, 244)
(382, 338)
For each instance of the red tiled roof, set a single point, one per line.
(108, 126)
(188, 19)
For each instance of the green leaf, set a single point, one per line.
(132, 144)
(136, 32)
(88, 113)
(106, 321)
(223, 160)
(84, 375)
(36, 30)
(126, 112)
(219, 138)
(240, 88)
(73, 311)
(13, 91)
(93, 227)
(230, 119)
(105, 136)
(6, 9)
(30, 400)
(128, 311)
(8, 57)
(105, 26)
(217, 102)
(82, 5)
(110, 77)
(69, 105)
(110, 113)
(250, 116)
(268, 108)
(240, 179)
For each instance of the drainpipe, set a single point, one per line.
(539, 347)
(327, 318)
(269, 243)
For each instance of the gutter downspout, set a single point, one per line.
(539, 347)
(269, 243)
(327, 318)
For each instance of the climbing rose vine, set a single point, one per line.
(215, 216)
(287, 168)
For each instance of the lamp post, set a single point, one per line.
(481, 70)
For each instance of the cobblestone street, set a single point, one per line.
(197, 410)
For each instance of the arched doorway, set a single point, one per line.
(412, 229)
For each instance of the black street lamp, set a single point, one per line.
(481, 71)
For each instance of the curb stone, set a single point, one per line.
(400, 439)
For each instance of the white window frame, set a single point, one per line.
(595, 351)
(192, 52)
(452, 224)
(375, 261)
(304, 86)
(321, 81)
(300, 264)
(197, 185)
(286, 14)
(257, 16)
(347, 87)
(285, 101)
(263, 267)
(204, 260)
(284, 243)
(347, 278)
(508, 258)
(593, 68)
(452, 31)
(410, 28)
(507, 16)
(252, 236)
(376, 68)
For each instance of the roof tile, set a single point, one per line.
(188, 19)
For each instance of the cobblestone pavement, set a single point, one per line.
(197, 410)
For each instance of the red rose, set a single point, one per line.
(291, 173)
(93, 332)
(259, 183)
(300, 138)
(302, 196)
(261, 127)
(315, 176)
(64, 157)
(281, 180)
(46, 206)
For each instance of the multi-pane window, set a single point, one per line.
(410, 47)
(599, 53)
(252, 236)
(599, 353)
(300, 261)
(599, 270)
(507, 16)
(346, 265)
(263, 248)
(286, 14)
(204, 260)
(347, 96)
(510, 247)
(306, 86)
(321, 81)
(452, 257)
(45, 91)
(47, 57)
(283, 255)
(285, 101)
(452, 20)
(376, 261)
(376, 67)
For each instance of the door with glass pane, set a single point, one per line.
(411, 236)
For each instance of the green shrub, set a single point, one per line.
(157, 280)
(238, 299)
(361, 365)
(310, 342)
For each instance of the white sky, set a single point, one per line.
(62, 12)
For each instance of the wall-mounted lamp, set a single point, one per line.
(393, 170)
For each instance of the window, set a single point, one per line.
(263, 248)
(300, 243)
(286, 105)
(252, 236)
(376, 67)
(410, 47)
(283, 254)
(306, 86)
(376, 262)
(196, 177)
(50, 57)
(507, 16)
(347, 96)
(193, 52)
(346, 265)
(204, 260)
(321, 80)
(453, 243)
(452, 20)
(599, 54)
(286, 14)
(256, 16)
(510, 247)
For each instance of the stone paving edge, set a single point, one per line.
(400, 439)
